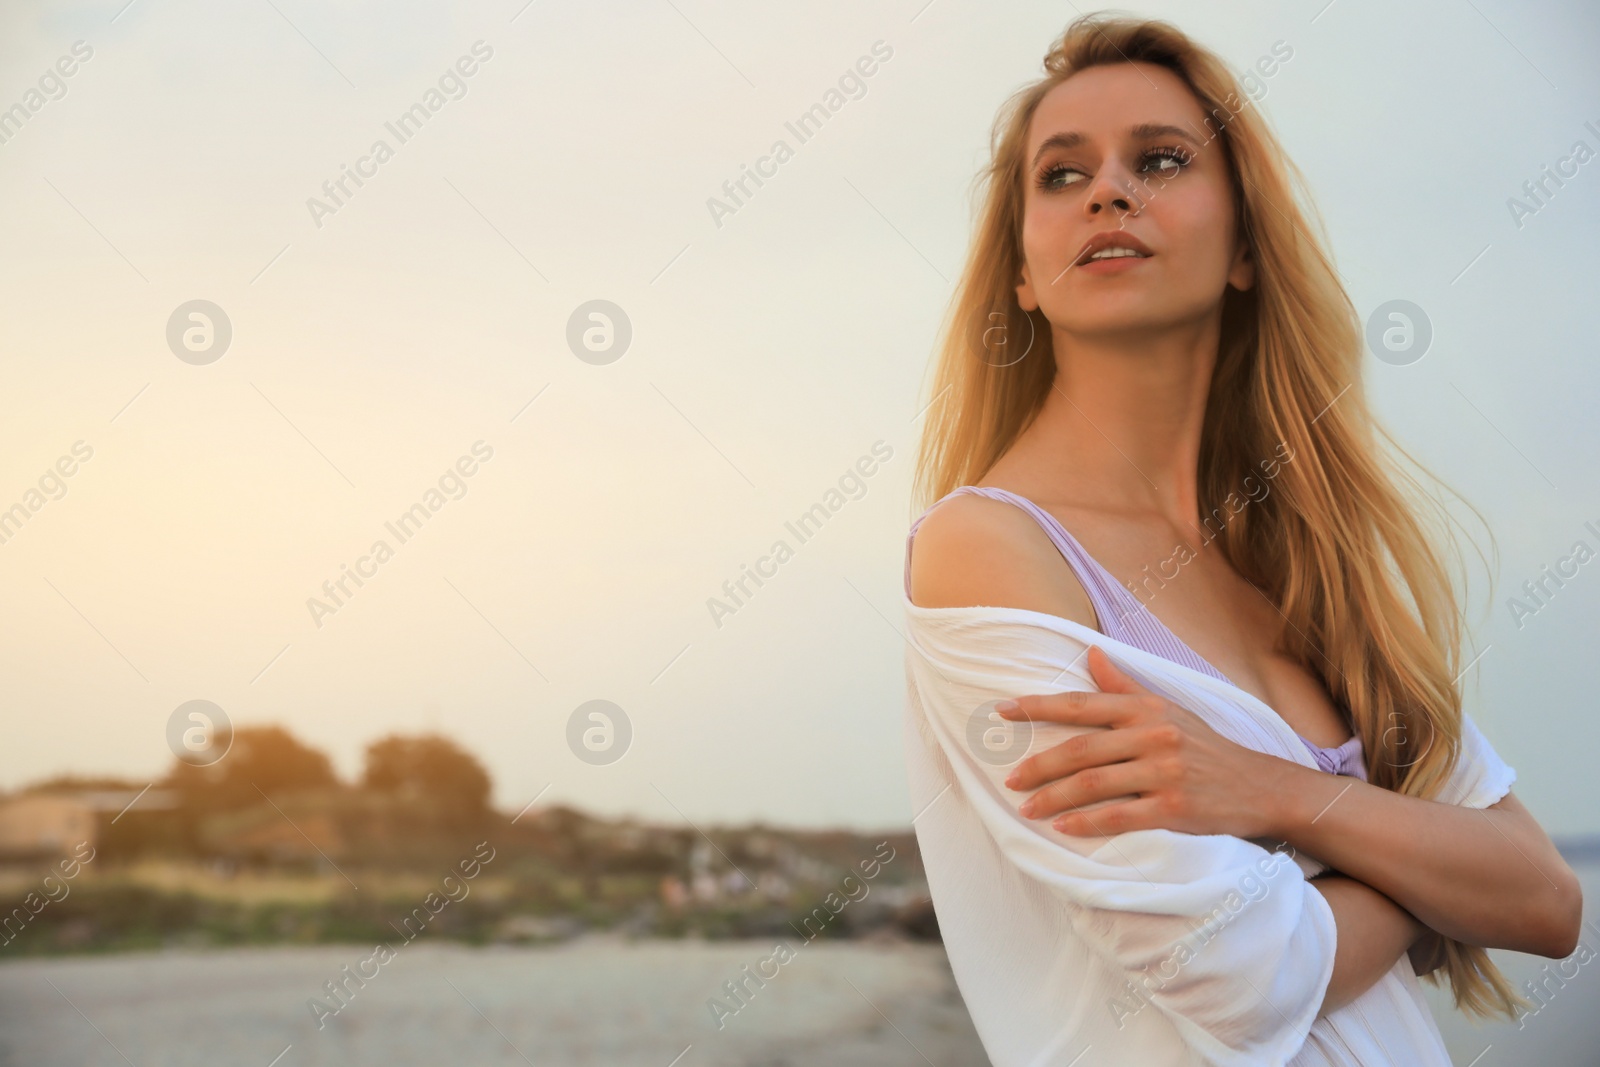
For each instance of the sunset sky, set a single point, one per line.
(421, 320)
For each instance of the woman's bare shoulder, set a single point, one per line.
(976, 551)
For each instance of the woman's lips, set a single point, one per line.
(1115, 265)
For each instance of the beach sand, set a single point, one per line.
(603, 1001)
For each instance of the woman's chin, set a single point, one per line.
(1113, 318)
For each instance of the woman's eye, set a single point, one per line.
(1056, 177)
(1166, 162)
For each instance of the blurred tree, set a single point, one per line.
(432, 770)
(261, 760)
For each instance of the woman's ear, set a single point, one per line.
(1026, 298)
(1242, 272)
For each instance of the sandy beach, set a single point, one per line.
(602, 1001)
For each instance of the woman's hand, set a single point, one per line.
(1176, 771)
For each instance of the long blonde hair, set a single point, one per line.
(1368, 602)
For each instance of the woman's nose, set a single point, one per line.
(1115, 192)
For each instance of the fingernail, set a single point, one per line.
(1012, 779)
(1003, 706)
(1027, 809)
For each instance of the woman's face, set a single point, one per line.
(1121, 149)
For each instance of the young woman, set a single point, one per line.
(1157, 486)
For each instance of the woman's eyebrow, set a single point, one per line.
(1145, 131)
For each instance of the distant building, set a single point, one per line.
(41, 825)
(50, 823)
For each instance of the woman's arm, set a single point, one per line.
(1483, 876)
(1374, 932)
(957, 563)
(1487, 877)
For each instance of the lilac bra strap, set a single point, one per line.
(1125, 618)
(1122, 616)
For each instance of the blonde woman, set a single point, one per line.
(1184, 729)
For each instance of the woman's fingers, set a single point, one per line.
(1119, 701)
(1108, 676)
(1076, 753)
(1079, 707)
(1141, 814)
(1090, 786)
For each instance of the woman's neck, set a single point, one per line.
(1120, 429)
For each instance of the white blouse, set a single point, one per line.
(1151, 947)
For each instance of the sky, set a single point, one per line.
(388, 338)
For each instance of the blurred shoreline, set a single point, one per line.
(268, 846)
